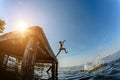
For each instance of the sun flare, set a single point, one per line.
(22, 26)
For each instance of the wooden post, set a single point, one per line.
(56, 70)
(1, 58)
(53, 73)
(5, 60)
(28, 61)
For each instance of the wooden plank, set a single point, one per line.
(1, 58)
(12, 41)
(5, 61)
(56, 70)
(47, 45)
(29, 59)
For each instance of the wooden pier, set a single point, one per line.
(30, 46)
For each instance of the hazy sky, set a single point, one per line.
(91, 28)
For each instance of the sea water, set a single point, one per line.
(111, 71)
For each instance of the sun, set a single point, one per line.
(22, 26)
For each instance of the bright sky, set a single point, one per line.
(91, 28)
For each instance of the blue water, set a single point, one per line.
(110, 71)
(68, 74)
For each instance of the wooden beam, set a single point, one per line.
(1, 58)
(53, 71)
(5, 60)
(56, 70)
(29, 59)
